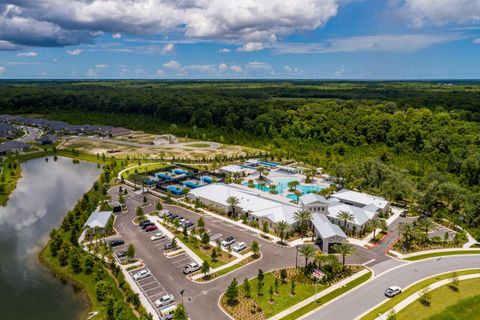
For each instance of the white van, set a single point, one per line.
(167, 312)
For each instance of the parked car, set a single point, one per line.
(144, 222)
(187, 223)
(142, 274)
(121, 254)
(157, 236)
(146, 225)
(167, 312)
(116, 243)
(164, 300)
(228, 241)
(393, 291)
(151, 228)
(182, 220)
(239, 247)
(173, 217)
(191, 267)
(169, 246)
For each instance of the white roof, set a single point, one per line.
(360, 198)
(233, 168)
(98, 219)
(258, 203)
(360, 215)
(325, 228)
(310, 198)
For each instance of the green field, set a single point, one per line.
(447, 303)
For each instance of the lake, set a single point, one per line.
(44, 194)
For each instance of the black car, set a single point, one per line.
(115, 243)
(169, 246)
(141, 224)
(173, 217)
(121, 254)
(146, 225)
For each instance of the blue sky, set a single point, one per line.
(165, 39)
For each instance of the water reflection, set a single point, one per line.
(45, 193)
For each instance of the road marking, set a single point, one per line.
(146, 291)
(369, 261)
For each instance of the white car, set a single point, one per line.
(164, 300)
(228, 241)
(191, 267)
(141, 274)
(393, 291)
(239, 247)
(157, 236)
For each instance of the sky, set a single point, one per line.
(240, 39)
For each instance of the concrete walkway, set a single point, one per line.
(404, 303)
(419, 253)
(320, 294)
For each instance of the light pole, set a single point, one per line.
(296, 256)
(181, 293)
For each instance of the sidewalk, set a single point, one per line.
(404, 303)
(320, 294)
(419, 253)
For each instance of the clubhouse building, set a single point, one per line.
(261, 206)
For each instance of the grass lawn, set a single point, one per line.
(439, 254)
(328, 297)
(201, 254)
(447, 297)
(411, 290)
(11, 172)
(281, 302)
(146, 168)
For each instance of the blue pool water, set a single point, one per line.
(282, 185)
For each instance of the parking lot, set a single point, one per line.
(167, 276)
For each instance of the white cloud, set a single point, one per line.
(68, 22)
(384, 43)
(160, 73)
(222, 67)
(339, 72)
(293, 71)
(74, 52)
(476, 41)
(224, 50)
(8, 46)
(91, 73)
(236, 69)
(2, 70)
(172, 64)
(438, 12)
(116, 35)
(251, 46)
(257, 68)
(102, 66)
(168, 48)
(27, 54)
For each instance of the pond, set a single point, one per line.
(44, 194)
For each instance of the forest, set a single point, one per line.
(414, 142)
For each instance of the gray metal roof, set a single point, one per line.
(98, 219)
(325, 228)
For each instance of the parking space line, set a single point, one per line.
(145, 284)
(146, 291)
(182, 261)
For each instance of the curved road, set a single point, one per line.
(362, 299)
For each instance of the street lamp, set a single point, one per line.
(181, 293)
(296, 256)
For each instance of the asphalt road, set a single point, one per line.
(369, 295)
(32, 134)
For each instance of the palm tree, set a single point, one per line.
(297, 193)
(233, 201)
(320, 259)
(307, 251)
(375, 223)
(345, 249)
(205, 268)
(426, 224)
(292, 185)
(280, 229)
(302, 217)
(407, 230)
(345, 216)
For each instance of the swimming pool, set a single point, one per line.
(282, 187)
